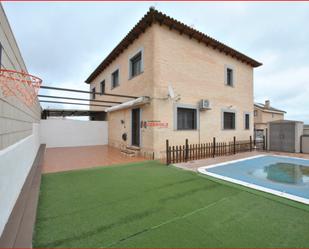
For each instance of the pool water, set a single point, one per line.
(284, 176)
(290, 173)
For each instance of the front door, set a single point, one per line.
(135, 127)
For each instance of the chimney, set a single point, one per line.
(267, 104)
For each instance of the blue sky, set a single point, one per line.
(62, 42)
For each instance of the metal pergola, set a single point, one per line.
(70, 98)
(89, 92)
(81, 99)
(71, 103)
(92, 102)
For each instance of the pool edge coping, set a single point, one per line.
(203, 170)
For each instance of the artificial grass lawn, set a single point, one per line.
(148, 204)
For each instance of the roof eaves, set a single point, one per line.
(155, 16)
(262, 107)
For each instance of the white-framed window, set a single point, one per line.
(186, 117)
(228, 120)
(229, 76)
(136, 64)
(115, 78)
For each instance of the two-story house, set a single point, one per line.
(264, 113)
(174, 68)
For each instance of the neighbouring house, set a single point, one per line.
(264, 113)
(190, 86)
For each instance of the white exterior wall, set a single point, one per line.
(67, 133)
(15, 164)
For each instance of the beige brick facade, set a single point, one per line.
(196, 72)
(119, 122)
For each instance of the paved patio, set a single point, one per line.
(194, 165)
(71, 158)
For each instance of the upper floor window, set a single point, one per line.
(93, 93)
(136, 65)
(228, 120)
(229, 74)
(255, 113)
(186, 119)
(247, 121)
(102, 84)
(115, 79)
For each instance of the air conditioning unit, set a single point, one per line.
(205, 104)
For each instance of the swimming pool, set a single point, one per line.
(283, 176)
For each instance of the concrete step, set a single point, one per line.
(129, 153)
(133, 148)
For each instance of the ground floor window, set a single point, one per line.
(186, 119)
(228, 120)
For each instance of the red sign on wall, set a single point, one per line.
(154, 123)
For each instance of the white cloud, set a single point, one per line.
(64, 41)
(287, 89)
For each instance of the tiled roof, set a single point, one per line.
(270, 108)
(154, 16)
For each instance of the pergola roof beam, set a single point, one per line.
(83, 91)
(93, 100)
(71, 103)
